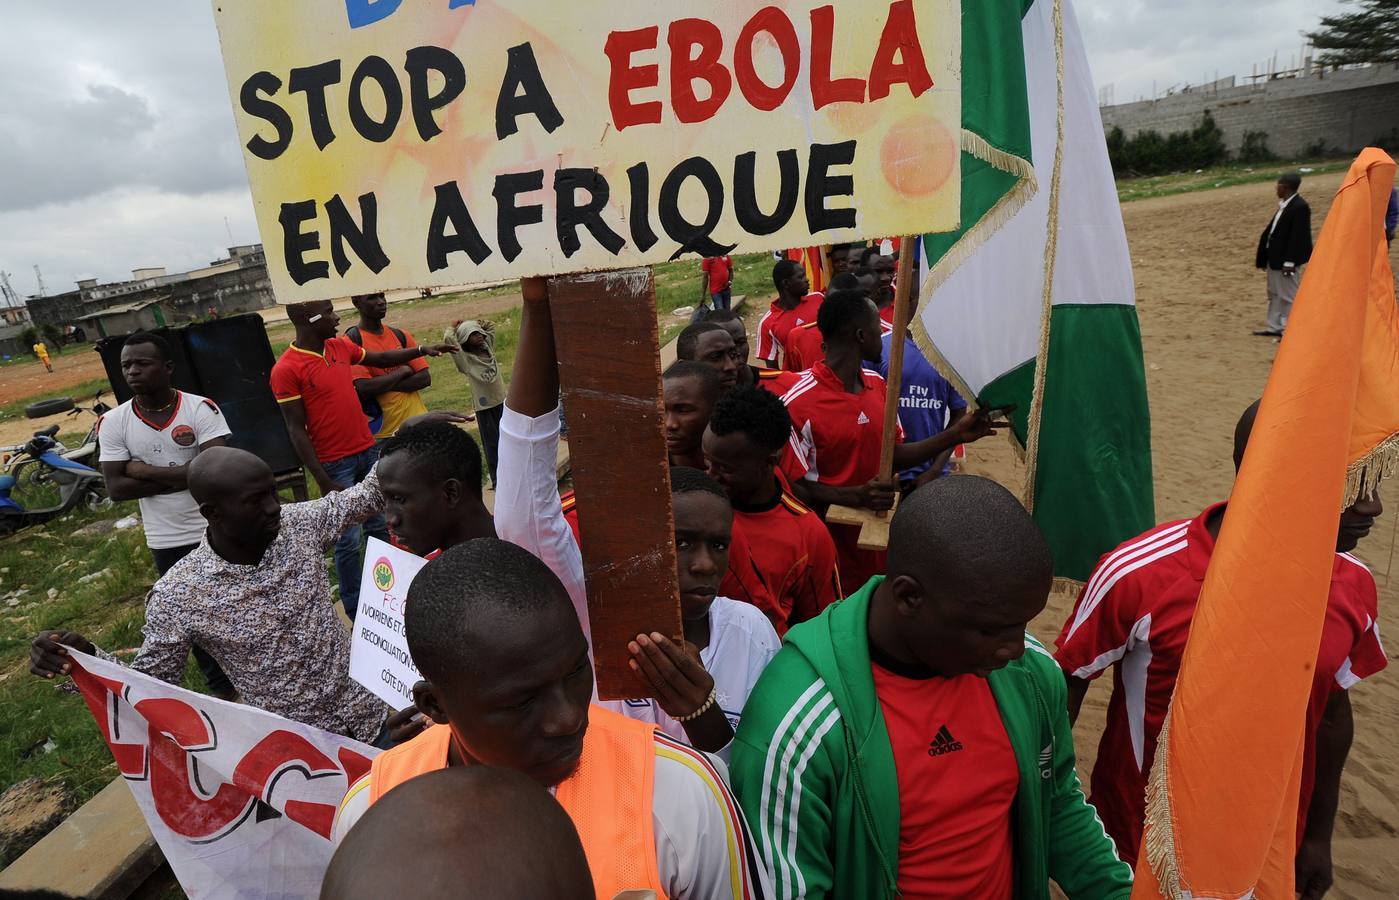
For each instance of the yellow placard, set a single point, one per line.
(417, 144)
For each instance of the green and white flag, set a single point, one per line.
(1031, 303)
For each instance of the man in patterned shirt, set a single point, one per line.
(256, 595)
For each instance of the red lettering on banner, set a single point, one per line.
(627, 77)
(784, 35)
(900, 38)
(277, 754)
(355, 765)
(824, 91)
(179, 805)
(684, 36)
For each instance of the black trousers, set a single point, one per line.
(488, 421)
(218, 682)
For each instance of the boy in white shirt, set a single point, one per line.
(144, 448)
(733, 640)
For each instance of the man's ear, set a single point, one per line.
(775, 457)
(425, 698)
(909, 595)
(451, 490)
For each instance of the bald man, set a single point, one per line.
(255, 594)
(466, 833)
(911, 739)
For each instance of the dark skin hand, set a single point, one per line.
(48, 654)
(1078, 689)
(405, 725)
(680, 684)
(402, 379)
(1314, 871)
(131, 479)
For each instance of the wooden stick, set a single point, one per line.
(605, 333)
(903, 284)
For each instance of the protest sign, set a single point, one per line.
(444, 142)
(379, 657)
(240, 800)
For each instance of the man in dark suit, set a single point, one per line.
(1284, 248)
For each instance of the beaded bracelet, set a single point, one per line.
(704, 707)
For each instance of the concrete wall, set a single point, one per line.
(1349, 109)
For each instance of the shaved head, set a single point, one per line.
(219, 470)
(964, 531)
(968, 570)
(1242, 432)
(464, 833)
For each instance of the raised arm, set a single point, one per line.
(390, 359)
(528, 511)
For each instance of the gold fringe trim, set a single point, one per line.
(1159, 839)
(1363, 476)
(972, 240)
(1051, 251)
(1070, 586)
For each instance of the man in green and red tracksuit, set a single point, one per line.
(912, 740)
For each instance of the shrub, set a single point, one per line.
(1254, 149)
(1151, 153)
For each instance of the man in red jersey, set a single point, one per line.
(837, 412)
(794, 305)
(1135, 614)
(790, 553)
(313, 382)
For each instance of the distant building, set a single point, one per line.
(152, 298)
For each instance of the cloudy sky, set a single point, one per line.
(118, 149)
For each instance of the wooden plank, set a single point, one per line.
(606, 335)
(103, 851)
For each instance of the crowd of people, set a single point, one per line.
(837, 722)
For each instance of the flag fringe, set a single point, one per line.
(978, 234)
(1159, 838)
(1071, 587)
(1051, 255)
(1363, 476)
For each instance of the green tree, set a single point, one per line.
(1368, 35)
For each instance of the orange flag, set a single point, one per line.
(1222, 799)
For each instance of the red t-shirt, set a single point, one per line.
(720, 272)
(776, 322)
(836, 440)
(804, 347)
(791, 572)
(957, 781)
(322, 381)
(1137, 608)
(776, 381)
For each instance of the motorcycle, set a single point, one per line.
(78, 485)
(24, 466)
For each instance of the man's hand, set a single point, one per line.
(48, 655)
(1314, 872)
(678, 681)
(877, 495)
(972, 428)
(328, 485)
(438, 349)
(405, 725)
(439, 415)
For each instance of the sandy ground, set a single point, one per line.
(1199, 299)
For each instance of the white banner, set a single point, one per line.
(379, 657)
(240, 800)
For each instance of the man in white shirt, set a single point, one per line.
(698, 701)
(145, 446)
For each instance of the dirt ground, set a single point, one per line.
(1199, 299)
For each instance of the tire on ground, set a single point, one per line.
(48, 407)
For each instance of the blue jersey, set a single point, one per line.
(927, 401)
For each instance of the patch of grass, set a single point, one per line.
(107, 609)
(1218, 177)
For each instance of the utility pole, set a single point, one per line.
(8, 292)
(39, 277)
